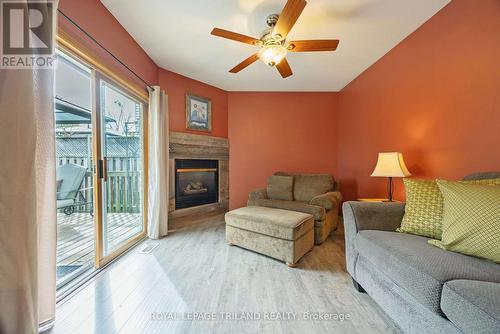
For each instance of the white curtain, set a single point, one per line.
(27, 200)
(158, 156)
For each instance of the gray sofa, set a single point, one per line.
(315, 194)
(424, 289)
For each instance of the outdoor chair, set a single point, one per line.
(69, 182)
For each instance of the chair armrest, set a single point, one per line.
(258, 194)
(360, 216)
(328, 200)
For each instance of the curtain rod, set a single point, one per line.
(102, 47)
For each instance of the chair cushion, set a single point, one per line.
(280, 187)
(307, 186)
(58, 185)
(421, 269)
(318, 212)
(72, 177)
(62, 203)
(471, 221)
(283, 224)
(473, 306)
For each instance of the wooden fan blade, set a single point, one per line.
(313, 45)
(289, 16)
(235, 36)
(250, 60)
(284, 68)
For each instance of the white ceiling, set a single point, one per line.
(176, 35)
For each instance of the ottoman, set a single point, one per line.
(281, 234)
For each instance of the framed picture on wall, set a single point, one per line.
(198, 113)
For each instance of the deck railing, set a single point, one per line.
(124, 191)
(123, 187)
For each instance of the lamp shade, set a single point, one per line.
(390, 164)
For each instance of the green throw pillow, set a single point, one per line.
(424, 206)
(423, 210)
(471, 220)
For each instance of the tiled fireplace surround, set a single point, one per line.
(194, 146)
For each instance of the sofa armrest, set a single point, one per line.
(385, 216)
(360, 216)
(258, 194)
(328, 200)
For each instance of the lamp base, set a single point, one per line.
(390, 189)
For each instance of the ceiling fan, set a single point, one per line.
(273, 44)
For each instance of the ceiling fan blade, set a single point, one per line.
(235, 36)
(289, 16)
(249, 61)
(313, 45)
(284, 68)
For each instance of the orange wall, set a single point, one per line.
(435, 98)
(177, 86)
(94, 18)
(269, 132)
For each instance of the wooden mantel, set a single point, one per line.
(191, 146)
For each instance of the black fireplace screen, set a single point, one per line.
(196, 182)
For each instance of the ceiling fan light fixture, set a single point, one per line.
(273, 41)
(272, 54)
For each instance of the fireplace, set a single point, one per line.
(196, 182)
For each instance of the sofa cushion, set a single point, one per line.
(283, 224)
(473, 306)
(307, 186)
(421, 269)
(316, 211)
(482, 176)
(280, 187)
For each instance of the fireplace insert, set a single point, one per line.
(196, 182)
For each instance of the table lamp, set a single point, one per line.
(390, 164)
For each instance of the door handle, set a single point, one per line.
(100, 169)
(105, 169)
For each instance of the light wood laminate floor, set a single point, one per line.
(193, 272)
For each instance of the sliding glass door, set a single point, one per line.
(100, 175)
(74, 169)
(121, 116)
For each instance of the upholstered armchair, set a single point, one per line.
(316, 194)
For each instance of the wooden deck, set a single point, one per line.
(75, 235)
